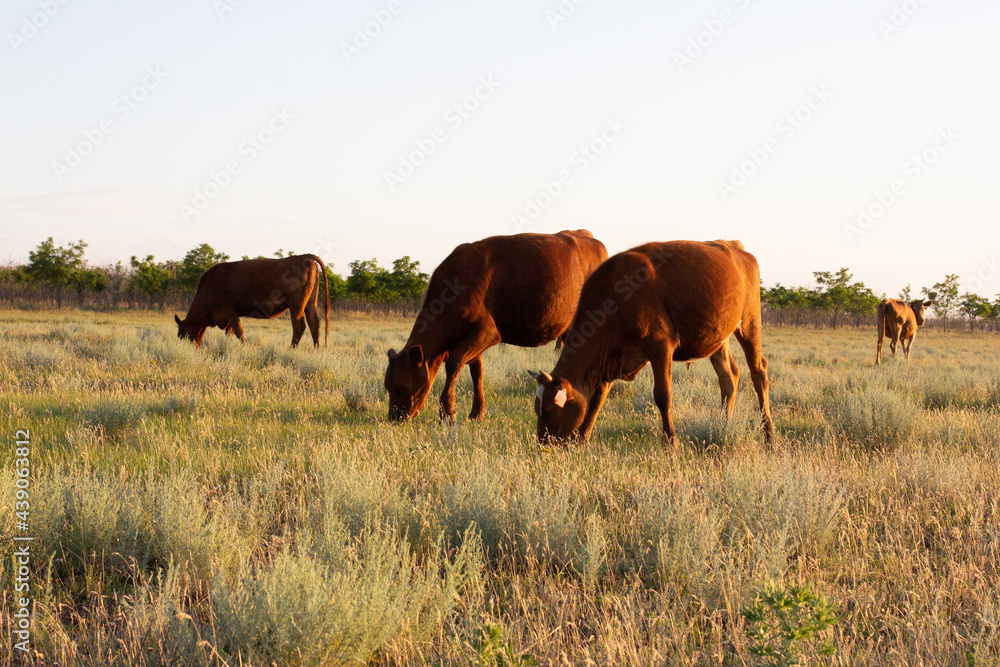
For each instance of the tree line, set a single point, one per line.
(55, 275)
(838, 300)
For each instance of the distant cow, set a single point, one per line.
(521, 290)
(657, 303)
(260, 288)
(899, 321)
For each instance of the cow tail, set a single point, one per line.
(326, 290)
(880, 323)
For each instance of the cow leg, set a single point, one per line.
(661, 354)
(298, 328)
(881, 337)
(749, 337)
(906, 347)
(892, 345)
(593, 408)
(230, 323)
(729, 377)
(312, 319)
(478, 395)
(234, 328)
(467, 350)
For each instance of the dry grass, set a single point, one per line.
(249, 505)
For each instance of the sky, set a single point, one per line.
(861, 133)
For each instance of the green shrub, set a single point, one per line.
(784, 626)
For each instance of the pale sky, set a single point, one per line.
(151, 127)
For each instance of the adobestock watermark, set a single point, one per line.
(454, 117)
(551, 189)
(786, 127)
(625, 288)
(34, 23)
(224, 8)
(433, 308)
(989, 269)
(121, 109)
(247, 151)
(366, 33)
(21, 615)
(899, 17)
(562, 12)
(325, 246)
(711, 31)
(913, 169)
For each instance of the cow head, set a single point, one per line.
(560, 408)
(918, 309)
(186, 329)
(408, 379)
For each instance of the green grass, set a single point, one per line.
(249, 504)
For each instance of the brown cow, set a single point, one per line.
(260, 288)
(899, 321)
(657, 303)
(521, 290)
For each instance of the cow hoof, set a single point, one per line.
(478, 415)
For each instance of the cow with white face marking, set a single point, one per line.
(657, 303)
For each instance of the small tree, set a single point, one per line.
(151, 278)
(974, 306)
(945, 297)
(368, 280)
(58, 267)
(834, 292)
(85, 279)
(904, 294)
(793, 301)
(861, 302)
(406, 279)
(196, 262)
(337, 285)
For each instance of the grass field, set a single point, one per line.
(249, 505)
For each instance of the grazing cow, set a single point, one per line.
(260, 288)
(899, 321)
(657, 303)
(521, 290)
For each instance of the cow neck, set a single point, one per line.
(583, 377)
(432, 344)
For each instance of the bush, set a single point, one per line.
(877, 418)
(337, 599)
(783, 625)
(113, 415)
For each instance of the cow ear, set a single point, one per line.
(928, 303)
(416, 355)
(560, 398)
(392, 353)
(177, 319)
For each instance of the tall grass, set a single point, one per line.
(249, 504)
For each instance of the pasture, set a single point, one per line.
(250, 504)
